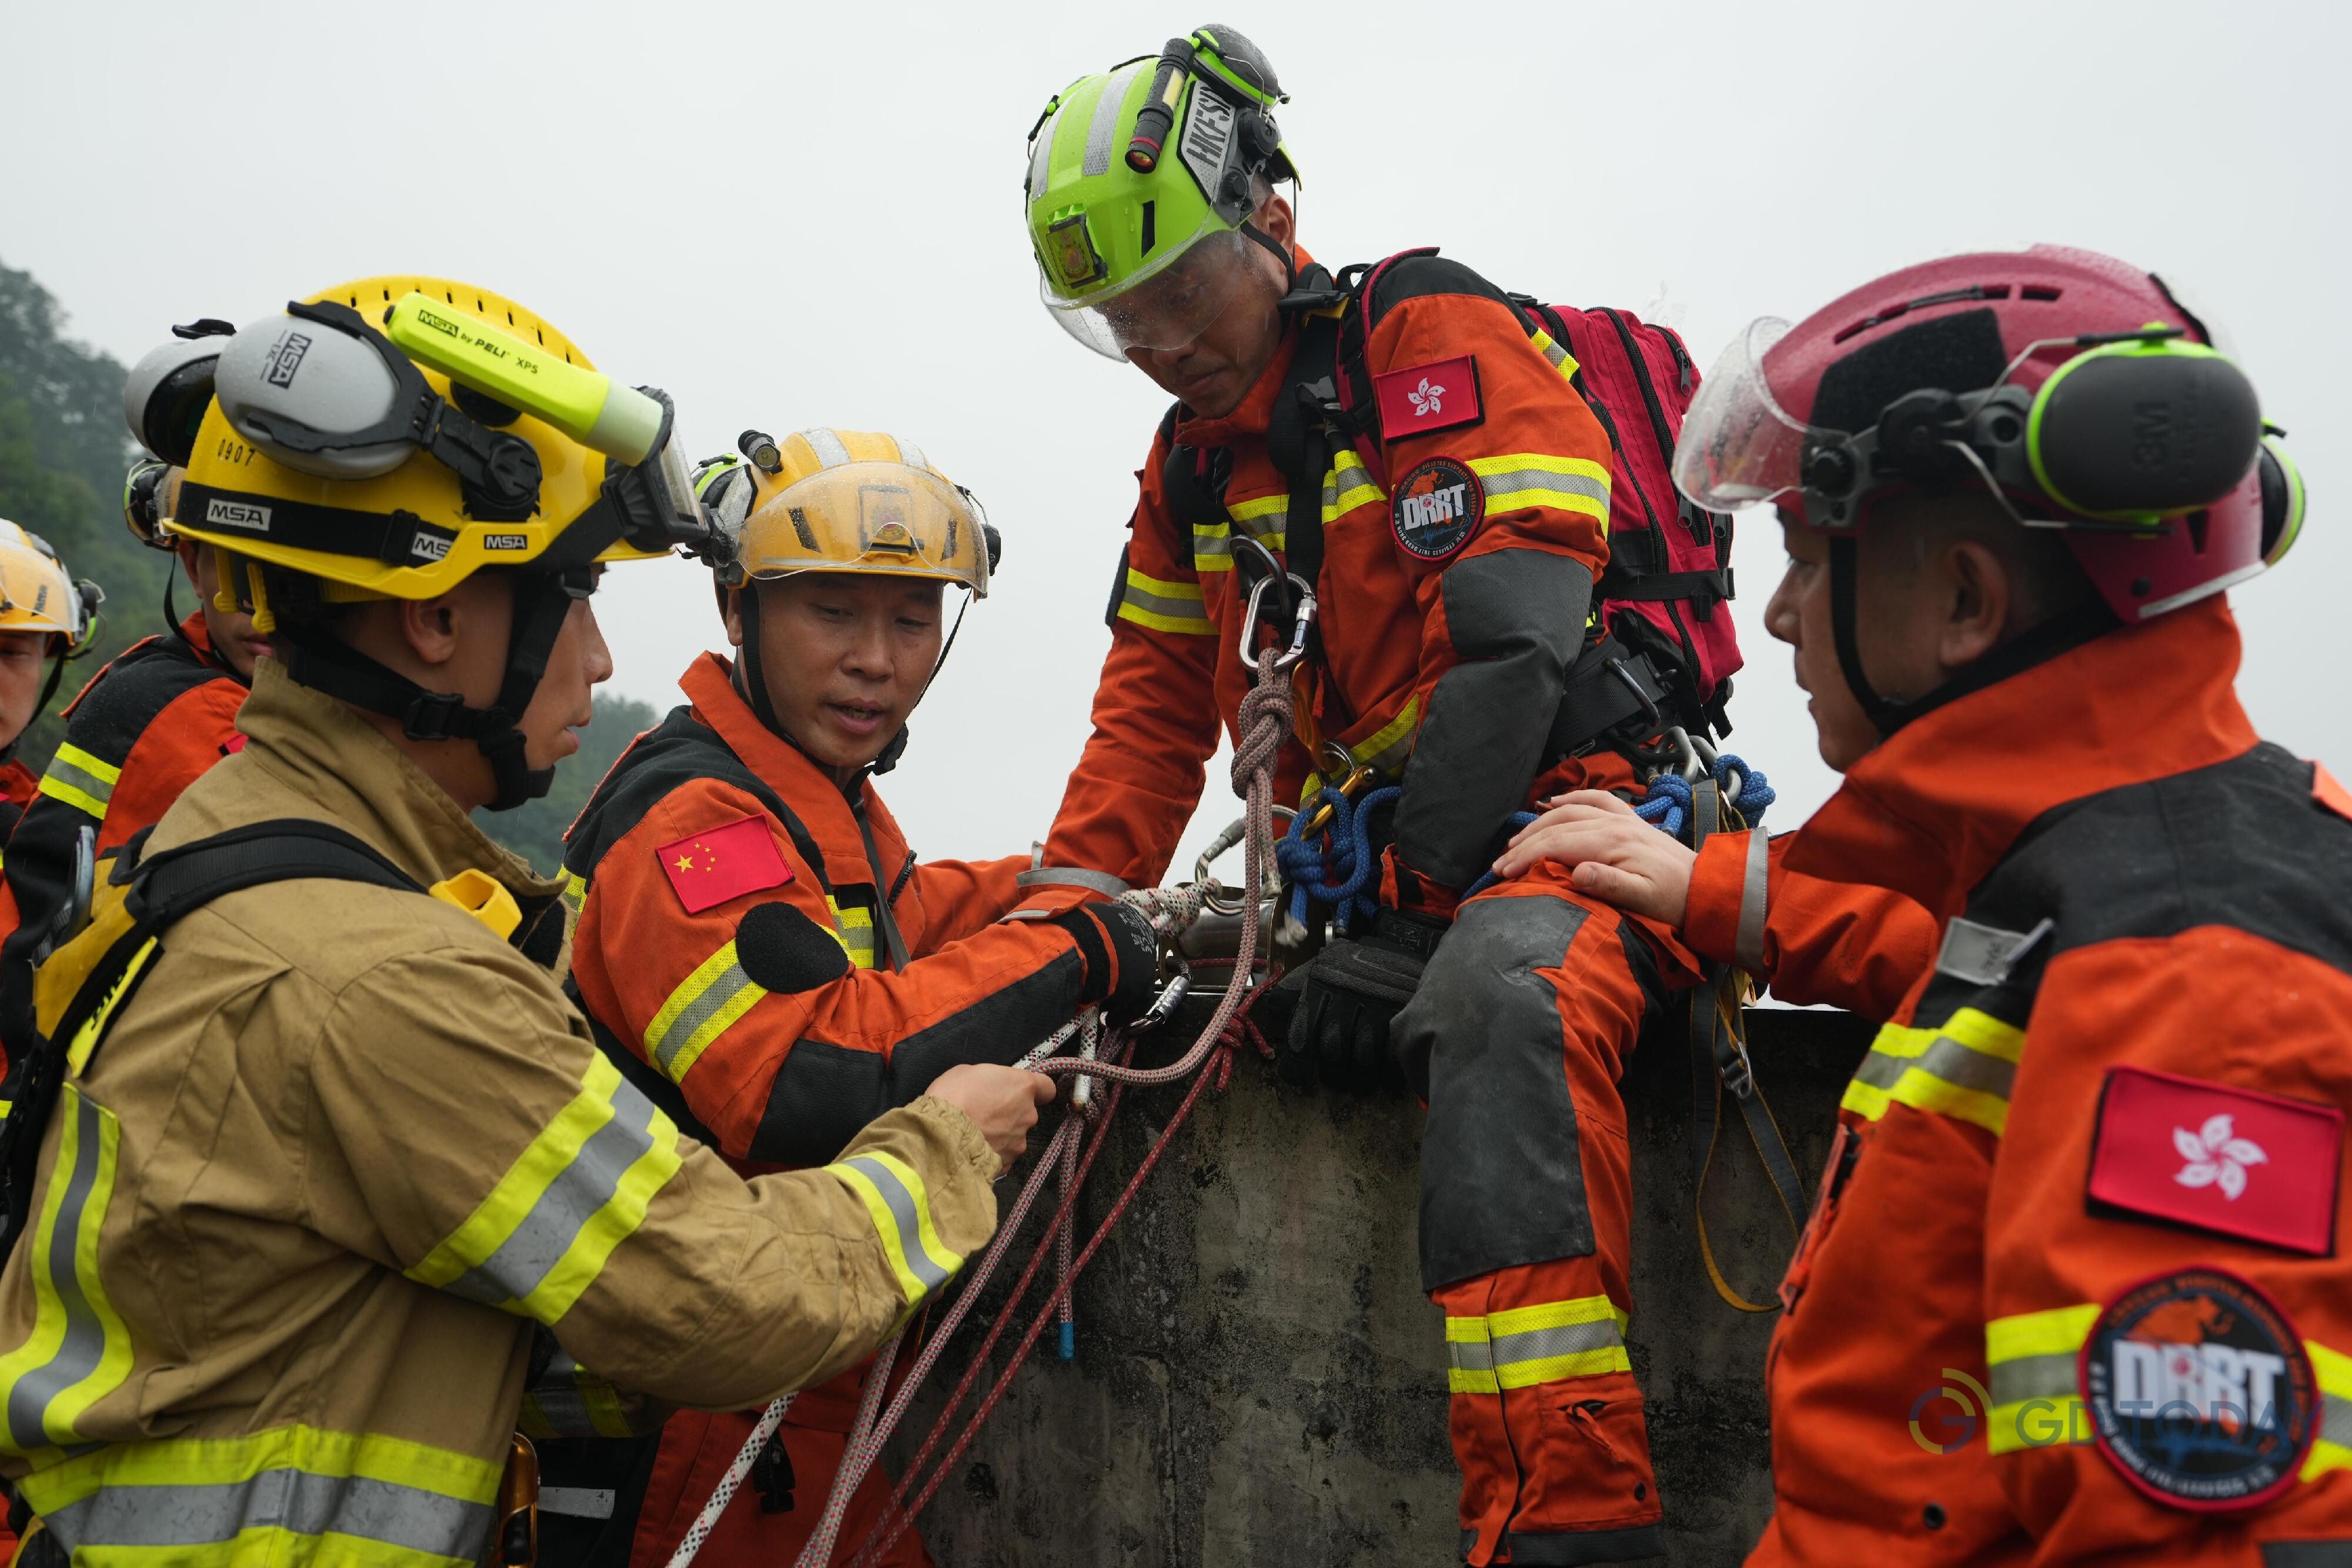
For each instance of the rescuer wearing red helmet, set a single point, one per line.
(760, 951)
(2078, 1284)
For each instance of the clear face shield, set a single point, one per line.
(1163, 309)
(1739, 446)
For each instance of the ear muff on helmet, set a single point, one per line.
(2148, 427)
(144, 489)
(325, 394)
(2283, 499)
(167, 391)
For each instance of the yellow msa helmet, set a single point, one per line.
(844, 500)
(839, 500)
(393, 436)
(35, 595)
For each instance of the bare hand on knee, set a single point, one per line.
(1002, 1101)
(1617, 857)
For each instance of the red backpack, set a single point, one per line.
(1661, 650)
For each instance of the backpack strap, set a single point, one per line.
(163, 890)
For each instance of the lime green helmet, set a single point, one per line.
(1135, 249)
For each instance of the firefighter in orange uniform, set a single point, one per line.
(44, 616)
(757, 946)
(144, 729)
(1456, 546)
(2076, 1286)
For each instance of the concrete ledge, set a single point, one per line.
(1259, 1379)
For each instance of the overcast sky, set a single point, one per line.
(795, 215)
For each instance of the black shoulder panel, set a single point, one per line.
(673, 754)
(2241, 843)
(114, 710)
(1415, 277)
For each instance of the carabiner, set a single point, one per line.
(1166, 1003)
(1303, 619)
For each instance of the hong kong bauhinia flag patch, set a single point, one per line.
(1420, 399)
(2261, 1167)
(708, 868)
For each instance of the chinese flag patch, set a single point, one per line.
(711, 867)
(1423, 398)
(2261, 1167)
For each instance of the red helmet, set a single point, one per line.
(2073, 387)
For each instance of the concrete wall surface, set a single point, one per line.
(1259, 1379)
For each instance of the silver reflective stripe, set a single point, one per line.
(76, 1356)
(578, 1191)
(1101, 882)
(1042, 155)
(928, 1270)
(67, 773)
(1747, 946)
(1555, 350)
(724, 988)
(1471, 1356)
(1946, 1059)
(1209, 542)
(2035, 1377)
(561, 1400)
(1542, 1345)
(827, 446)
(910, 455)
(1103, 126)
(1517, 479)
(578, 1502)
(2336, 1419)
(1984, 955)
(296, 1500)
(1158, 604)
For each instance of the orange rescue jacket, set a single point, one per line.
(2144, 973)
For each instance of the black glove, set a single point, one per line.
(1122, 955)
(1354, 990)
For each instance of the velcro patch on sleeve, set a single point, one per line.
(708, 868)
(1436, 507)
(1419, 399)
(2260, 1167)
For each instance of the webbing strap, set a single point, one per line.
(1718, 1053)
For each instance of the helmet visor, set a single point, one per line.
(1738, 446)
(883, 517)
(1165, 307)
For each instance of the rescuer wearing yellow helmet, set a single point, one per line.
(313, 1202)
(45, 618)
(758, 947)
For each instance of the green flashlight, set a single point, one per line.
(592, 408)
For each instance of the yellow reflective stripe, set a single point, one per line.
(81, 781)
(1538, 479)
(703, 1007)
(545, 1232)
(1347, 485)
(1385, 750)
(1164, 606)
(570, 1401)
(1555, 350)
(1524, 1346)
(2332, 1449)
(80, 1349)
(1961, 1068)
(900, 1208)
(236, 1501)
(1213, 543)
(853, 926)
(2035, 1392)
(85, 1037)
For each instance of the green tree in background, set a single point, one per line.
(536, 831)
(63, 450)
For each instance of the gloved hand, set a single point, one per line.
(1122, 955)
(1354, 989)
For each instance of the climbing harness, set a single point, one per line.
(1105, 1055)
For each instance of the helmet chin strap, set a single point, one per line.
(2061, 632)
(542, 600)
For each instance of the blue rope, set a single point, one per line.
(1341, 868)
(1668, 804)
